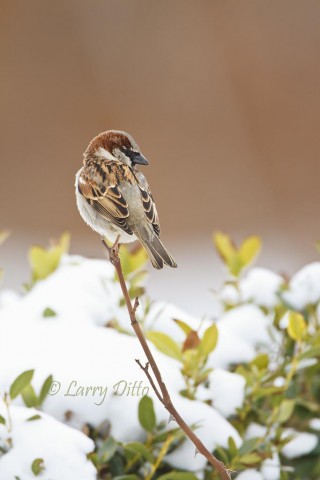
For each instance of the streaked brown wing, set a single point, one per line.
(98, 184)
(149, 206)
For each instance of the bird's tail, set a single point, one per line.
(158, 253)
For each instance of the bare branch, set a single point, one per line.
(153, 385)
(164, 397)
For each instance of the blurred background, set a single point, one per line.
(222, 98)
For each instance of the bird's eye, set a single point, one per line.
(128, 152)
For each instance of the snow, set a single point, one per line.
(260, 286)
(230, 294)
(100, 357)
(241, 331)
(255, 431)
(212, 429)
(80, 290)
(301, 444)
(230, 349)
(225, 390)
(250, 474)
(97, 379)
(80, 352)
(315, 424)
(62, 448)
(304, 287)
(270, 468)
(161, 319)
(279, 382)
(8, 297)
(249, 323)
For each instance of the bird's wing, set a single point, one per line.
(98, 183)
(148, 202)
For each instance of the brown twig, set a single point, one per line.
(164, 396)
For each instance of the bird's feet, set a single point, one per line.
(113, 251)
(115, 247)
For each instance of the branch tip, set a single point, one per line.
(136, 304)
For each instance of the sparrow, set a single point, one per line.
(114, 198)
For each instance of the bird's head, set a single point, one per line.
(115, 144)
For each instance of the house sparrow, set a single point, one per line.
(114, 198)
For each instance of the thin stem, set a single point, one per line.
(153, 385)
(6, 400)
(164, 397)
(161, 455)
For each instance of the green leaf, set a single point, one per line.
(261, 361)
(177, 434)
(250, 459)
(131, 261)
(20, 383)
(45, 261)
(37, 466)
(284, 475)
(184, 326)
(267, 392)
(209, 340)
(311, 406)
(232, 447)
(45, 389)
(250, 249)
(177, 476)
(311, 353)
(29, 396)
(140, 449)
(165, 344)
(285, 411)
(2, 420)
(235, 265)
(222, 455)
(224, 246)
(48, 312)
(138, 258)
(249, 445)
(136, 291)
(34, 417)
(107, 450)
(146, 414)
(237, 259)
(296, 326)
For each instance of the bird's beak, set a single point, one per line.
(139, 159)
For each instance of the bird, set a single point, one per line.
(114, 198)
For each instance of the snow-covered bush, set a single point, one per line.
(247, 381)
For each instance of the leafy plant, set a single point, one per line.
(193, 353)
(282, 387)
(138, 459)
(236, 259)
(37, 466)
(44, 261)
(22, 386)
